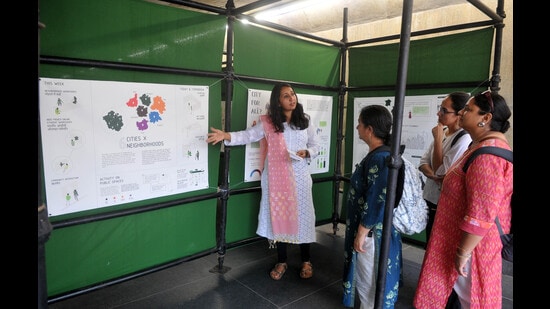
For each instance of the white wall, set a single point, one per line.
(446, 16)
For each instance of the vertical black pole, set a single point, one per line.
(340, 135)
(395, 157)
(221, 211)
(497, 54)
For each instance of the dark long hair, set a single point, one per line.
(298, 119)
(380, 118)
(500, 110)
(459, 100)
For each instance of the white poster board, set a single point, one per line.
(108, 143)
(320, 110)
(419, 117)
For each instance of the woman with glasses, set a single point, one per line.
(463, 252)
(449, 142)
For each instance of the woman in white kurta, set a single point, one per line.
(449, 143)
(288, 141)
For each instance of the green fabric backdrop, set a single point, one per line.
(141, 32)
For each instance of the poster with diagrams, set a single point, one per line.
(320, 110)
(107, 143)
(419, 117)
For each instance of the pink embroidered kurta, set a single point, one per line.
(469, 204)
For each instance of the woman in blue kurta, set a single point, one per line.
(365, 204)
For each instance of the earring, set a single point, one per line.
(481, 124)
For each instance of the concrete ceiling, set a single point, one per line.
(327, 15)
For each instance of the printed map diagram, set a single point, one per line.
(150, 113)
(108, 143)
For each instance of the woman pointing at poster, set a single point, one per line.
(288, 142)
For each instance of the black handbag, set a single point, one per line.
(507, 243)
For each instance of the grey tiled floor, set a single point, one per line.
(246, 282)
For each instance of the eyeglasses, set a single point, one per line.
(487, 94)
(444, 110)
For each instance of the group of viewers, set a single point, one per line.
(462, 262)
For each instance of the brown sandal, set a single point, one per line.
(307, 270)
(278, 271)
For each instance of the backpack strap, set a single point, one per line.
(400, 174)
(457, 136)
(400, 178)
(497, 151)
(500, 231)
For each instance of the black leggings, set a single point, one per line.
(281, 252)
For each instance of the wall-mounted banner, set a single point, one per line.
(320, 110)
(419, 117)
(107, 143)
